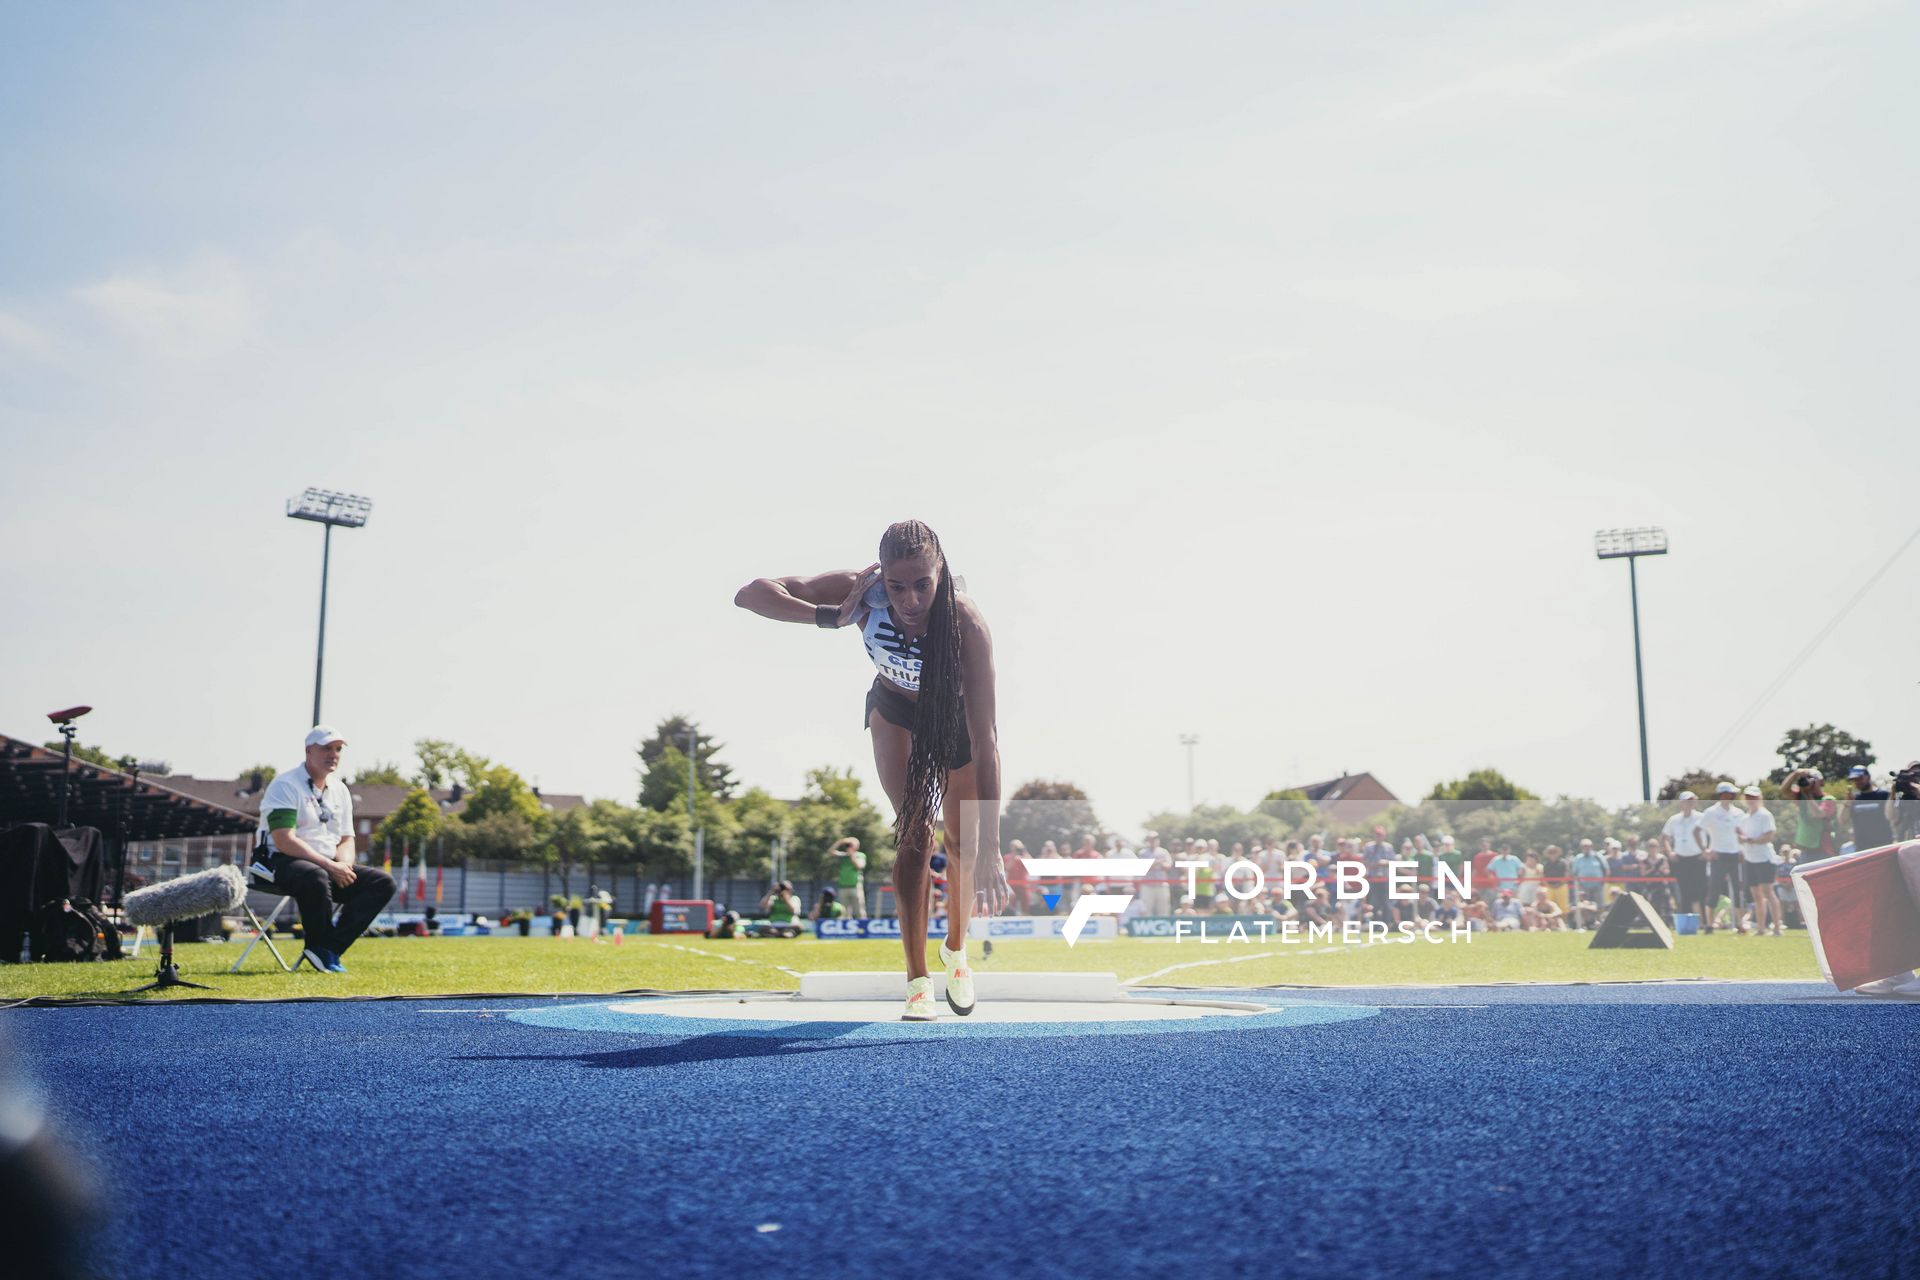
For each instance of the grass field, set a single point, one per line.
(469, 966)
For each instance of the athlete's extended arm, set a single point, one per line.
(795, 599)
(976, 679)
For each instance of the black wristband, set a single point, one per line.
(826, 615)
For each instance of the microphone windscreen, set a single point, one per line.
(222, 889)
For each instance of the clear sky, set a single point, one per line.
(1265, 368)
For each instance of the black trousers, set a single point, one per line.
(1691, 872)
(1723, 876)
(309, 885)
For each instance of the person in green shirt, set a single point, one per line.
(1420, 854)
(1813, 831)
(849, 867)
(828, 908)
(781, 906)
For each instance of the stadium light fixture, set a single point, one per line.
(1615, 544)
(328, 509)
(1630, 545)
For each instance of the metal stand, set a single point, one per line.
(169, 975)
(66, 769)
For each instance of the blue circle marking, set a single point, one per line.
(606, 1018)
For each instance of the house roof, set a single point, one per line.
(31, 780)
(1326, 794)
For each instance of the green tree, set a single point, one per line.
(380, 772)
(81, 751)
(1043, 810)
(265, 772)
(1481, 784)
(1697, 780)
(1291, 809)
(412, 824)
(1821, 746)
(660, 842)
(497, 837)
(442, 764)
(498, 789)
(1522, 824)
(671, 735)
(664, 784)
(1220, 822)
(832, 807)
(591, 833)
(663, 790)
(759, 820)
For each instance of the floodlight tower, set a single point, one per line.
(1630, 545)
(326, 508)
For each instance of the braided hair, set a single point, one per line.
(939, 726)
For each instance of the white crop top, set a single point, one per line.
(897, 660)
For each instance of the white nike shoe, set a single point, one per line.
(959, 979)
(920, 1005)
(1901, 984)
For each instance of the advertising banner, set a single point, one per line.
(996, 927)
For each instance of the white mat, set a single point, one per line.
(1057, 987)
(786, 1008)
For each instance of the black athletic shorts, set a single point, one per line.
(1756, 873)
(896, 708)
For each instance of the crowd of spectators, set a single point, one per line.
(1723, 862)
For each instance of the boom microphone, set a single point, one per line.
(221, 889)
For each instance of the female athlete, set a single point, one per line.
(930, 712)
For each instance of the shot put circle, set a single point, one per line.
(876, 1021)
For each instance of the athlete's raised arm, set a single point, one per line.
(799, 599)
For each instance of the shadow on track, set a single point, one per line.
(717, 1047)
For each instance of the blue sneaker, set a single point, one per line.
(334, 965)
(322, 961)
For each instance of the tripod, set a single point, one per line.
(169, 975)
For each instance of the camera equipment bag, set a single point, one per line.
(72, 929)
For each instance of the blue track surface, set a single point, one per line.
(1658, 1131)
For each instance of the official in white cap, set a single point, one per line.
(1687, 837)
(1757, 831)
(1721, 820)
(305, 851)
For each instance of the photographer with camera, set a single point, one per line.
(1818, 814)
(1903, 809)
(1871, 811)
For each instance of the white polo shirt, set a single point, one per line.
(1679, 833)
(294, 790)
(1758, 825)
(1720, 824)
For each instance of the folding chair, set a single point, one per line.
(259, 879)
(262, 930)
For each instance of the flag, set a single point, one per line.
(1862, 913)
(387, 866)
(439, 882)
(420, 885)
(406, 867)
